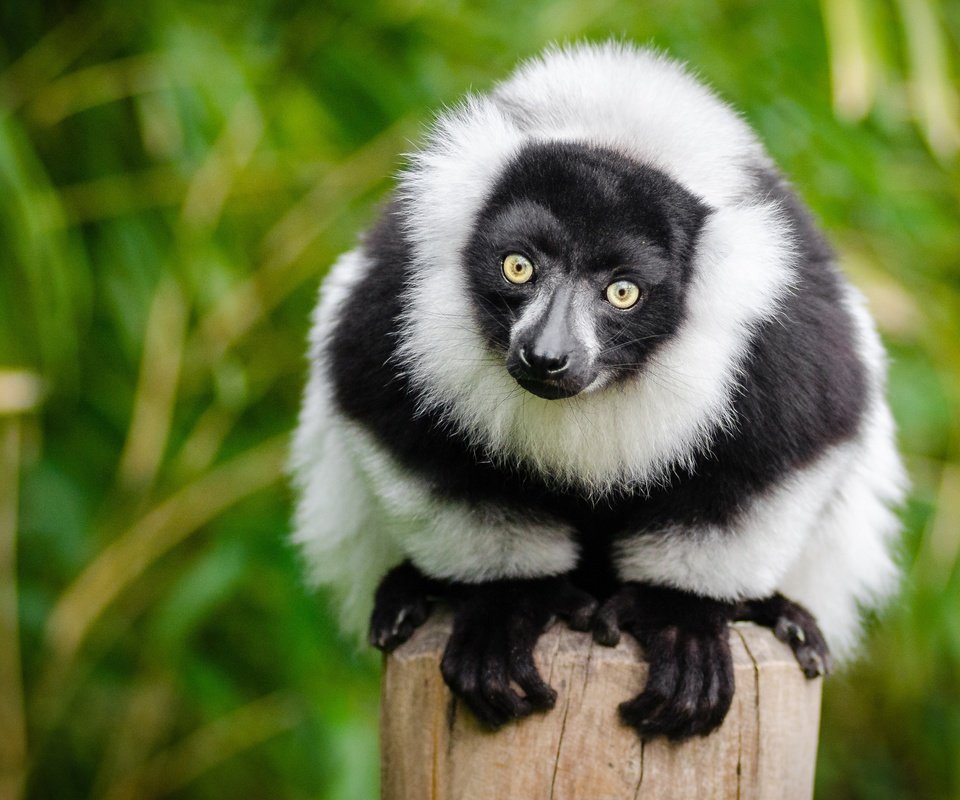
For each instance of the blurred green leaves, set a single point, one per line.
(175, 178)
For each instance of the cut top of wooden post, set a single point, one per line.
(432, 747)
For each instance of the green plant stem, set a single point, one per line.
(13, 740)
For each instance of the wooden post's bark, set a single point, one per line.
(432, 747)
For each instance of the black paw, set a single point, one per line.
(685, 639)
(495, 629)
(794, 625)
(401, 605)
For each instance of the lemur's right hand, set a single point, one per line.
(496, 626)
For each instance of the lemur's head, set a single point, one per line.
(578, 265)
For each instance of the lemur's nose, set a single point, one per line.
(544, 364)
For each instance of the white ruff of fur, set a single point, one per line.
(624, 435)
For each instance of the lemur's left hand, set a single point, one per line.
(686, 642)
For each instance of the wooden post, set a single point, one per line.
(432, 747)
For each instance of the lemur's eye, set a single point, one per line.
(623, 294)
(517, 268)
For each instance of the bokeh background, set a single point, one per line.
(175, 177)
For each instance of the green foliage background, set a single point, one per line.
(175, 177)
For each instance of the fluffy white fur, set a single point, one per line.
(641, 103)
(750, 560)
(822, 538)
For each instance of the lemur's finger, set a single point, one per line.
(577, 607)
(616, 611)
(524, 671)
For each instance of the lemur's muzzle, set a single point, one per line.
(548, 357)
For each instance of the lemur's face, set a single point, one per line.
(578, 266)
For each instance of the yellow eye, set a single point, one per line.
(517, 268)
(623, 294)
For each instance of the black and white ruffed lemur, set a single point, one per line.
(595, 362)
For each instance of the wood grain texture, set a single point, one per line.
(433, 749)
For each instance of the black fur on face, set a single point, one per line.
(586, 218)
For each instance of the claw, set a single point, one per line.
(789, 631)
(797, 627)
(401, 605)
(813, 664)
(606, 633)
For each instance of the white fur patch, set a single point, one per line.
(638, 102)
(846, 564)
(749, 559)
(339, 523)
(461, 541)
